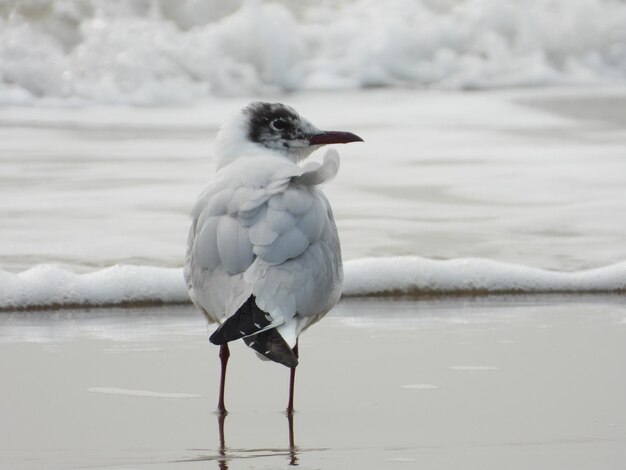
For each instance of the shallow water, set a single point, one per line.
(531, 177)
(492, 383)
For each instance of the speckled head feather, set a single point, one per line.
(272, 120)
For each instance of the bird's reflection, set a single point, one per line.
(293, 450)
(223, 457)
(222, 462)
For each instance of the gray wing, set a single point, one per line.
(271, 235)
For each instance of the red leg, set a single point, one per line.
(224, 355)
(292, 381)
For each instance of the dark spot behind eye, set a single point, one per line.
(265, 116)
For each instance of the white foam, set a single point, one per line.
(141, 393)
(414, 275)
(48, 285)
(168, 52)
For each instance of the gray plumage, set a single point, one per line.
(262, 227)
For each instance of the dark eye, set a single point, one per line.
(278, 124)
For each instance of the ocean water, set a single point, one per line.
(507, 186)
(493, 155)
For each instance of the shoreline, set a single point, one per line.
(480, 383)
(392, 296)
(52, 287)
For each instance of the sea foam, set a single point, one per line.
(470, 276)
(51, 286)
(156, 52)
(47, 286)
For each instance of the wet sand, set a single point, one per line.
(515, 383)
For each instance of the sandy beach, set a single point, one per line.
(501, 382)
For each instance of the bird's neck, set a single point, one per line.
(226, 154)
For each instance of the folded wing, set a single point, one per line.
(263, 229)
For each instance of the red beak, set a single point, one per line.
(334, 137)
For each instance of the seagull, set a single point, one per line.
(263, 256)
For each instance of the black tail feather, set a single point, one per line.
(246, 321)
(273, 346)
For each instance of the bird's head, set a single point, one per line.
(278, 128)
